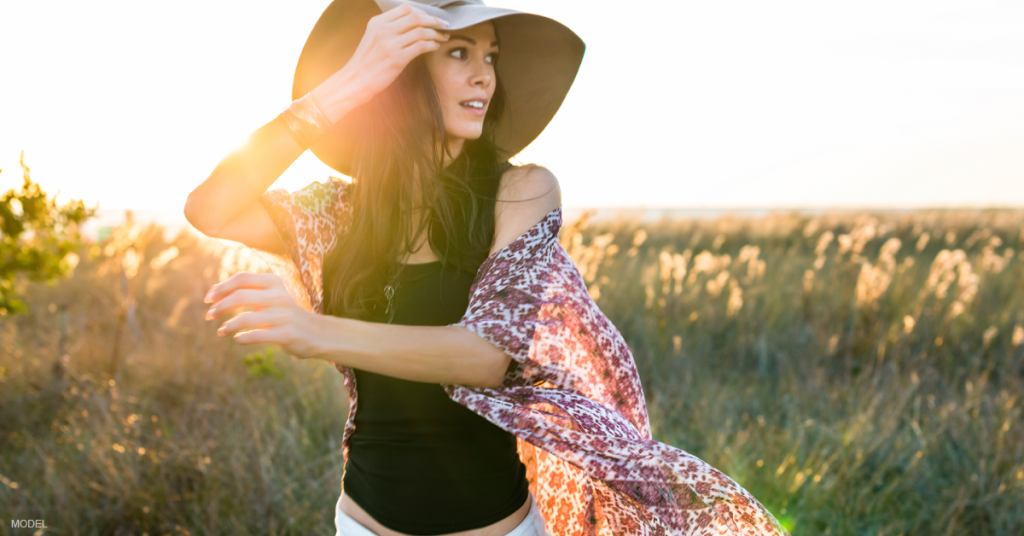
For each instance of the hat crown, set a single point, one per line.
(440, 4)
(446, 3)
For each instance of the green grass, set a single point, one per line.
(812, 389)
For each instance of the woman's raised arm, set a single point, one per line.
(225, 204)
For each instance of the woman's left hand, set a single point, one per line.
(276, 319)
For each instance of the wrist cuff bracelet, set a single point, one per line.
(306, 121)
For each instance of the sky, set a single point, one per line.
(678, 103)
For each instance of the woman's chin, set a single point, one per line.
(470, 132)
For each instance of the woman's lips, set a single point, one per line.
(478, 112)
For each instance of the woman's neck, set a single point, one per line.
(455, 145)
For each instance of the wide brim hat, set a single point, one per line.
(539, 61)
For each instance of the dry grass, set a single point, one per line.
(858, 373)
(153, 424)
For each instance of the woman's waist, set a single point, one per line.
(406, 474)
(437, 496)
(396, 452)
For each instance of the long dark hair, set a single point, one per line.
(402, 139)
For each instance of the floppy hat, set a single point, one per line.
(539, 61)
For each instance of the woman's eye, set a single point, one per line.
(460, 53)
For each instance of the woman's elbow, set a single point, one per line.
(487, 365)
(492, 372)
(197, 215)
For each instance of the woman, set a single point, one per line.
(488, 394)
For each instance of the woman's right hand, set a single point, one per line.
(392, 39)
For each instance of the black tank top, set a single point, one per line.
(420, 463)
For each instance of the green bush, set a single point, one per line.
(36, 237)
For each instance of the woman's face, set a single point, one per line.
(463, 71)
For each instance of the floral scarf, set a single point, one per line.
(574, 400)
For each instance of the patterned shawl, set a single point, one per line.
(574, 401)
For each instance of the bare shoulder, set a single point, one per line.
(526, 195)
(527, 177)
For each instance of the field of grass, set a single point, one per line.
(860, 374)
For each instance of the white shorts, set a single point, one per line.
(533, 525)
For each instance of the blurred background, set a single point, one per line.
(806, 218)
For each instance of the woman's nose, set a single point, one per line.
(482, 77)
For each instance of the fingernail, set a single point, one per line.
(445, 23)
(209, 297)
(209, 314)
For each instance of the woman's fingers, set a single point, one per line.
(417, 26)
(241, 298)
(392, 14)
(419, 47)
(259, 336)
(421, 35)
(252, 320)
(392, 39)
(414, 19)
(239, 281)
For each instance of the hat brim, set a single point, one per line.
(540, 58)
